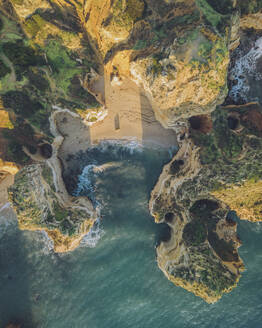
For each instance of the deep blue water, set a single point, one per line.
(117, 284)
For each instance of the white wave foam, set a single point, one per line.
(101, 168)
(47, 241)
(85, 181)
(130, 145)
(93, 236)
(245, 66)
(86, 185)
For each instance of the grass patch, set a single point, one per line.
(63, 66)
(212, 16)
(17, 2)
(34, 24)
(195, 233)
(59, 212)
(140, 45)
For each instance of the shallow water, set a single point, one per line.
(117, 284)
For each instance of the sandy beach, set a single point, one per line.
(130, 117)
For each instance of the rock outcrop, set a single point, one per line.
(213, 173)
(41, 205)
(59, 53)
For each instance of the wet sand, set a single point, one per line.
(130, 118)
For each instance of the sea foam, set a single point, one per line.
(94, 235)
(86, 186)
(245, 67)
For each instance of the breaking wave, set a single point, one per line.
(129, 146)
(87, 179)
(86, 183)
(86, 186)
(94, 235)
(244, 68)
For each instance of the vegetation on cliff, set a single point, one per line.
(51, 53)
(39, 207)
(35, 76)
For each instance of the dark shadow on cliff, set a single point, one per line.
(73, 150)
(153, 133)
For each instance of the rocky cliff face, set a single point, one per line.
(40, 205)
(45, 58)
(53, 54)
(216, 171)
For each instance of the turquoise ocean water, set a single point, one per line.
(117, 283)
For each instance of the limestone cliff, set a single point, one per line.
(216, 170)
(40, 205)
(166, 46)
(44, 59)
(62, 54)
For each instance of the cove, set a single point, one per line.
(116, 283)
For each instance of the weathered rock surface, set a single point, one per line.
(214, 172)
(58, 54)
(41, 206)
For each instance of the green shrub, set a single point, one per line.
(156, 66)
(34, 24)
(176, 166)
(15, 152)
(251, 6)
(81, 95)
(4, 70)
(140, 44)
(59, 212)
(204, 49)
(63, 66)
(38, 80)
(195, 233)
(21, 103)
(223, 7)
(202, 208)
(213, 17)
(223, 249)
(21, 55)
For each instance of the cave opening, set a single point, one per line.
(169, 217)
(46, 150)
(201, 123)
(232, 122)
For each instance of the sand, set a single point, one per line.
(130, 117)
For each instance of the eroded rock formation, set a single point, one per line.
(62, 54)
(40, 205)
(213, 173)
